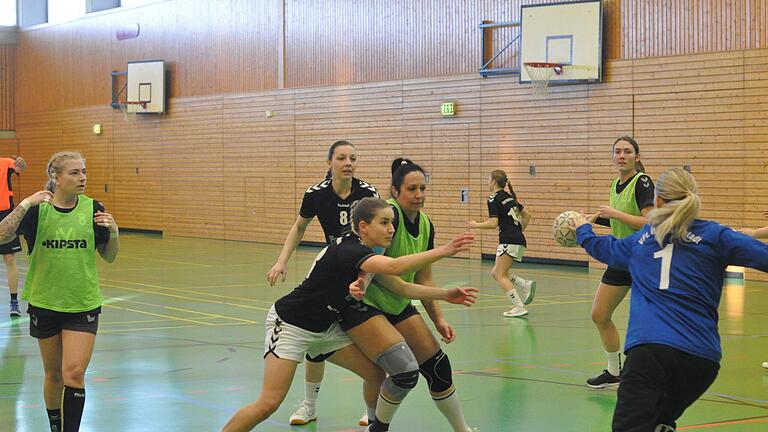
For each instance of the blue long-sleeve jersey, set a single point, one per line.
(676, 288)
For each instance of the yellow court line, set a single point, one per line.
(182, 297)
(506, 306)
(159, 315)
(212, 315)
(102, 323)
(167, 328)
(188, 291)
(166, 261)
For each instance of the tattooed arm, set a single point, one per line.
(10, 224)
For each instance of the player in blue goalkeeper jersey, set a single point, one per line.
(677, 263)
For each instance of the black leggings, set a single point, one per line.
(657, 384)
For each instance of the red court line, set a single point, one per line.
(725, 423)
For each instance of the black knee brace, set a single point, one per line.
(406, 380)
(438, 373)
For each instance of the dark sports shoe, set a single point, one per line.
(603, 380)
(15, 312)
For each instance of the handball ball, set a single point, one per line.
(562, 231)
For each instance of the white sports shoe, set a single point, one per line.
(305, 413)
(765, 365)
(364, 419)
(517, 311)
(528, 291)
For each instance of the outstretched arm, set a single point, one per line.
(380, 264)
(462, 295)
(490, 223)
(607, 249)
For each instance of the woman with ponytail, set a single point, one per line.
(507, 214)
(677, 263)
(631, 199)
(64, 229)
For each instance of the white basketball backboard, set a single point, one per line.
(146, 83)
(566, 33)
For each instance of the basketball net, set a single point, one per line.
(540, 74)
(130, 109)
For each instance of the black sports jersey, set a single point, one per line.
(333, 212)
(508, 210)
(644, 194)
(315, 304)
(413, 228)
(28, 225)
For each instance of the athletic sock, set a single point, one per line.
(517, 281)
(385, 411)
(614, 362)
(54, 418)
(512, 294)
(371, 414)
(14, 296)
(72, 408)
(451, 409)
(311, 391)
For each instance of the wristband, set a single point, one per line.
(25, 204)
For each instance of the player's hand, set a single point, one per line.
(578, 220)
(357, 287)
(460, 243)
(606, 211)
(466, 296)
(446, 331)
(592, 218)
(765, 213)
(38, 198)
(19, 164)
(279, 269)
(105, 220)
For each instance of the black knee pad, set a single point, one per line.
(406, 380)
(437, 371)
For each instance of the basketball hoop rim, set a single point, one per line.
(126, 103)
(558, 68)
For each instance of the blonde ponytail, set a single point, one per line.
(678, 189)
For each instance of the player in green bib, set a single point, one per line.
(414, 233)
(64, 229)
(631, 199)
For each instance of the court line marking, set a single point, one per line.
(189, 291)
(726, 423)
(184, 298)
(158, 315)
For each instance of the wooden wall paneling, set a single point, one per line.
(138, 170)
(260, 166)
(699, 125)
(755, 101)
(193, 168)
(7, 87)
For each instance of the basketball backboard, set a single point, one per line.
(569, 34)
(146, 83)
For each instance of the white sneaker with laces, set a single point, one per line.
(305, 413)
(528, 291)
(517, 311)
(364, 419)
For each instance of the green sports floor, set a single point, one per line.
(181, 340)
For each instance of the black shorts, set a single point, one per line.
(616, 277)
(44, 323)
(14, 245)
(352, 317)
(658, 384)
